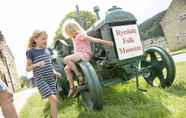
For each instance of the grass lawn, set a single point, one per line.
(122, 101)
(179, 51)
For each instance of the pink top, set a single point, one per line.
(82, 45)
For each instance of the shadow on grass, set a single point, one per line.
(178, 89)
(118, 103)
(71, 103)
(46, 110)
(128, 104)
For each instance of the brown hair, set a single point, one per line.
(36, 34)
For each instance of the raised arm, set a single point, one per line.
(100, 41)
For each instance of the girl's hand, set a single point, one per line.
(57, 74)
(109, 43)
(40, 64)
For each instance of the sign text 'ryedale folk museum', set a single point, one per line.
(127, 41)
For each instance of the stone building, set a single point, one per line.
(156, 41)
(173, 24)
(8, 72)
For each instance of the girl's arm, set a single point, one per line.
(100, 41)
(57, 74)
(29, 65)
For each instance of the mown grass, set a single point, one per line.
(122, 101)
(180, 51)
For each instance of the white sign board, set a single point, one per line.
(127, 40)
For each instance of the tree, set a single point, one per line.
(87, 17)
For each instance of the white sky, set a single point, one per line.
(18, 18)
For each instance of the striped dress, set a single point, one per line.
(43, 76)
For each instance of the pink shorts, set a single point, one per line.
(84, 56)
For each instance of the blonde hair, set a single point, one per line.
(35, 34)
(71, 28)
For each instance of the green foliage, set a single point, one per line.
(35, 109)
(87, 17)
(151, 27)
(26, 83)
(122, 101)
(180, 51)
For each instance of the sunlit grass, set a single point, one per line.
(122, 101)
(179, 51)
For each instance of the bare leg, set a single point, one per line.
(6, 102)
(70, 60)
(70, 79)
(53, 105)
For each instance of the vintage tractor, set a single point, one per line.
(126, 60)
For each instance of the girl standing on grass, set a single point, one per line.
(82, 50)
(39, 60)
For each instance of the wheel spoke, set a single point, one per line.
(161, 77)
(150, 78)
(146, 63)
(153, 56)
(161, 65)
